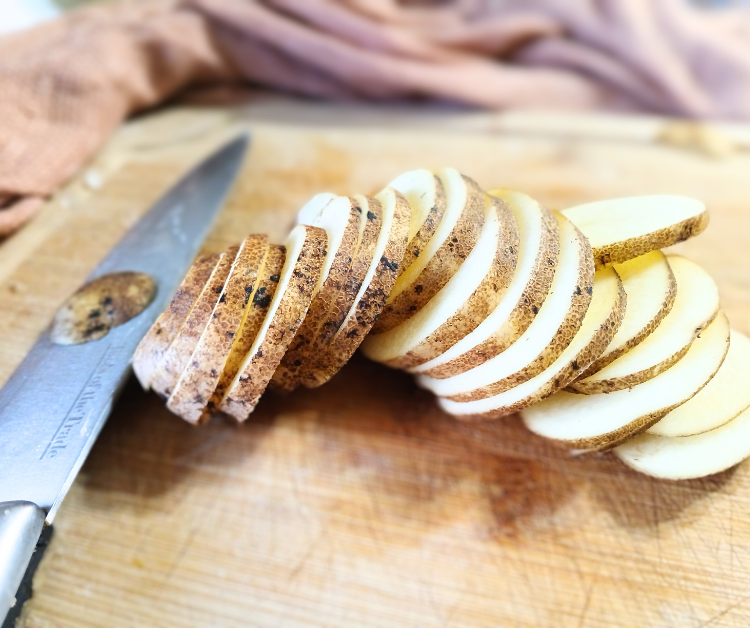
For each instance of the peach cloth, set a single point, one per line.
(65, 85)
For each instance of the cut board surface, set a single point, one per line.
(360, 503)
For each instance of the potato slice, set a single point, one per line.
(305, 256)
(199, 379)
(462, 304)
(150, 351)
(595, 422)
(599, 326)
(552, 330)
(539, 245)
(340, 220)
(722, 399)
(254, 314)
(651, 288)
(695, 305)
(690, 456)
(623, 228)
(392, 212)
(461, 202)
(177, 355)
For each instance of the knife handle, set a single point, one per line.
(21, 524)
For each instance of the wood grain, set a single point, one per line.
(360, 503)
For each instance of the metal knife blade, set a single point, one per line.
(56, 402)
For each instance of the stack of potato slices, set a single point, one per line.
(576, 319)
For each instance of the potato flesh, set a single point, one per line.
(444, 304)
(606, 297)
(695, 305)
(587, 421)
(722, 399)
(539, 335)
(418, 187)
(689, 456)
(529, 217)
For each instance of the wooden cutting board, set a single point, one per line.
(360, 503)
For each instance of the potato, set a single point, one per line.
(341, 222)
(177, 355)
(201, 374)
(150, 351)
(539, 246)
(595, 422)
(305, 257)
(651, 288)
(695, 305)
(426, 270)
(552, 330)
(623, 228)
(463, 303)
(722, 399)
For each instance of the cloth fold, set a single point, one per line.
(67, 84)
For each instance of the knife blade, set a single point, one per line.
(54, 405)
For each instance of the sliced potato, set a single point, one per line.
(373, 290)
(594, 422)
(690, 456)
(305, 256)
(651, 288)
(462, 304)
(599, 326)
(150, 351)
(539, 245)
(456, 235)
(722, 399)
(550, 333)
(695, 305)
(340, 220)
(201, 374)
(255, 313)
(623, 228)
(177, 355)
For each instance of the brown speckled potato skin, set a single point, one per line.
(444, 264)
(523, 313)
(258, 304)
(244, 393)
(482, 301)
(202, 372)
(607, 358)
(355, 328)
(304, 350)
(177, 355)
(150, 350)
(568, 373)
(328, 361)
(580, 300)
(618, 252)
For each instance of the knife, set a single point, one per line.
(55, 404)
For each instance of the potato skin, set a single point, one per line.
(305, 349)
(177, 355)
(201, 375)
(523, 313)
(625, 250)
(150, 351)
(245, 391)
